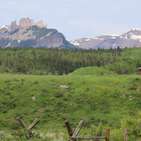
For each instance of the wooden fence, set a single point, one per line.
(74, 133)
(28, 128)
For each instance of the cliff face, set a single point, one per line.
(31, 34)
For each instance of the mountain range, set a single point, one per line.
(130, 39)
(27, 33)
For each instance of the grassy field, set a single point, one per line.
(101, 100)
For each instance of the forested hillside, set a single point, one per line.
(61, 61)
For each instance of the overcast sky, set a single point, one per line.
(77, 18)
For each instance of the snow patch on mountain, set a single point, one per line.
(136, 37)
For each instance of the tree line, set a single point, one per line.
(54, 61)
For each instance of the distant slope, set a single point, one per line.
(130, 39)
(97, 71)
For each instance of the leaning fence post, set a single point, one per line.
(69, 129)
(77, 129)
(126, 134)
(29, 128)
(107, 135)
(20, 120)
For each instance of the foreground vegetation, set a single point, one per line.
(109, 101)
(105, 92)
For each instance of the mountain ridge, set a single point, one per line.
(36, 34)
(28, 33)
(129, 39)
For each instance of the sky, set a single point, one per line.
(76, 18)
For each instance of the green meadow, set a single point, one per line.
(100, 95)
(111, 101)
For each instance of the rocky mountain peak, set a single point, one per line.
(30, 33)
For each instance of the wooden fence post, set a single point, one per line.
(73, 134)
(126, 134)
(29, 128)
(107, 135)
(77, 129)
(69, 129)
